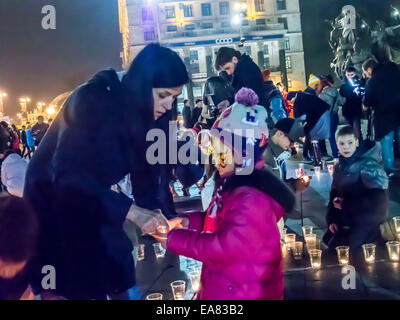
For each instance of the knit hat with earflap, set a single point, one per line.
(313, 80)
(243, 125)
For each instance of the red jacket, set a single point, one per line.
(242, 259)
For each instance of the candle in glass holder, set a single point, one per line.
(162, 231)
(396, 221)
(307, 230)
(311, 241)
(290, 239)
(393, 248)
(178, 289)
(343, 255)
(315, 258)
(317, 171)
(154, 296)
(298, 250)
(195, 280)
(369, 252)
(330, 169)
(299, 172)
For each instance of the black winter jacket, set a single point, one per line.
(248, 74)
(96, 139)
(362, 183)
(382, 94)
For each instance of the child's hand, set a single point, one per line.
(337, 203)
(333, 228)
(162, 241)
(180, 222)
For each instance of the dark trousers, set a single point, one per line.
(332, 139)
(30, 152)
(354, 237)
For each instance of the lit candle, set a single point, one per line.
(370, 259)
(394, 257)
(162, 230)
(344, 261)
(316, 265)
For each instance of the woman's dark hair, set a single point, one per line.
(154, 67)
(225, 55)
(18, 230)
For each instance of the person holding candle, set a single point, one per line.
(237, 238)
(358, 199)
(97, 138)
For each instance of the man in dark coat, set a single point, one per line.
(245, 72)
(314, 111)
(382, 94)
(187, 115)
(39, 130)
(97, 138)
(352, 106)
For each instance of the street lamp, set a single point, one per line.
(24, 103)
(51, 110)
(240, 9)
(2, 95)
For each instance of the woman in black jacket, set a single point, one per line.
(97, 138)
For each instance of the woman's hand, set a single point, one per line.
(333, 228)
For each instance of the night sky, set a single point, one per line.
(44, 63)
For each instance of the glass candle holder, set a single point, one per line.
(330, 168)
(396, 222)
(315, 258)
(158, 250)
(343, 255)
(140, 252)
(290, 239)
(317, 171)
(311, 241)
(299, 172)
(178, 289)
(154, 296)
(393, 248)
(369, 252)
(162, 231)
(307, 230)
(298, 250)
(195, 280)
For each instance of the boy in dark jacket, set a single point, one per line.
(358, 199)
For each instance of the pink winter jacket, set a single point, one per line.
(242, 260)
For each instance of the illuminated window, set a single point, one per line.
(288, 62)
(224, 8)
(206, 9)
(287, 44)
(170, 12)
(259, 4)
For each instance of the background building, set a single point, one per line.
(267, 30)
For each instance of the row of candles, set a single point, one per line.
(178, 287)
(317, 169)
(343, 252)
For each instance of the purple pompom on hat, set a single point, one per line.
(246, 97)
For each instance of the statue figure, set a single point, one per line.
(382, 37)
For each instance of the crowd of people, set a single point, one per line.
(75, 216)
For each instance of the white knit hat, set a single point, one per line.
(313, 80)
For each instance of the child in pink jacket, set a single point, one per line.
(237, 238)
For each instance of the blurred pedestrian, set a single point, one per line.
(39, 130)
